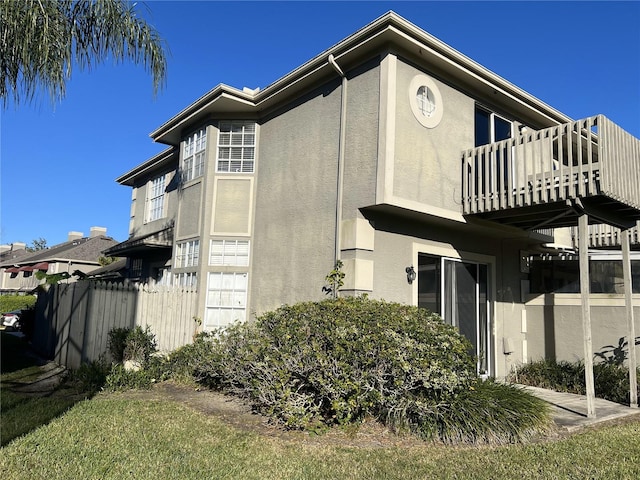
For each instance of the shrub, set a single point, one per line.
(137, 345)
(183, 364)
(120, 378)
(336, 361)
(486, 412)
(117, 343)
(132, 344)
(90, 377)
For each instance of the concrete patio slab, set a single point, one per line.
(570, 410)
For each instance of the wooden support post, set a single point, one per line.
(583, 237)
(628, 300)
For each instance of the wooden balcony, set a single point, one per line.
(607, 237)
(546, 178)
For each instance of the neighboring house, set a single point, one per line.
(436, 182)
(78, 253)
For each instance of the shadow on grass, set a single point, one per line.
(34, 391)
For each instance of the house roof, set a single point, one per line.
(86, 250)
(157, 162)
(390, 32)
(13, 255)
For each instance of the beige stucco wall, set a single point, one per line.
(190, 198)
(554, 324)
(427, 160)
(295, 206)
(398, 241)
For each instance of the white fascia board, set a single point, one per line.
(220, 91)
(146, 166)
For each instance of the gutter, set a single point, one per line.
(341, 155)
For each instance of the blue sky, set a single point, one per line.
(59, 162)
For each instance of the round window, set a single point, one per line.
(426, 101)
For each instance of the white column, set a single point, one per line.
(583, 236)
(628, 300)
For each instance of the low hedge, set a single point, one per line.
(611, 381)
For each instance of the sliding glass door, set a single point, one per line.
(458, 291)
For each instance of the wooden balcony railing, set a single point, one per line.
(585, 158)
(606, 236)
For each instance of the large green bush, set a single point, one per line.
(336, 361)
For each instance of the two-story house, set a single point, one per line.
(432, 179)
(80, 253)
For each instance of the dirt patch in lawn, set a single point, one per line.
(238, 414)
(371, 434)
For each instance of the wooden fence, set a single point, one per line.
(73, 320)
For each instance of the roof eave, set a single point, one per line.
(144, 168)
(390, 28)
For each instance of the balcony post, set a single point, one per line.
(628, 300)
(583, 240)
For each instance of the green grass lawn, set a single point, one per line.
(24, 412)
(114, 436)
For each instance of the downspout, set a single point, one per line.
(341, 150)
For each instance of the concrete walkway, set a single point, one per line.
(570, 410)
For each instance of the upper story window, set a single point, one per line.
(490, 128)
(229, 252)
(155, 198)
(236, 147)
(193, 155)
(426, 101)
(187, 254)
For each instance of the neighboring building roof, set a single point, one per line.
(87, 249)
(388, 30)
(11, 256)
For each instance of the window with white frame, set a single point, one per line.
(226, 299)
(186, 279)
(193, 155)
(229, 252)
(236, 147)
(187, 254)
(155, 198)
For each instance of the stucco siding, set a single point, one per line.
(140, 224)
(427, 160)
(398, 241)
(554, 325)
(189, 218)
(361, 149)
(295, 208)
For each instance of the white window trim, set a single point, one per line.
(186, 279)
(231, 293)
(231, 253)
(246, 165)
(187, 253)
(152, 195)
(194, 148)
